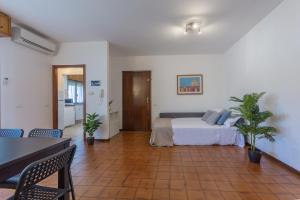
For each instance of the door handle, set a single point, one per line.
(147, 100)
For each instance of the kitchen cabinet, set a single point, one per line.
(5, 25)
(78, 112)
(69, 116)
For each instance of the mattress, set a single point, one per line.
(195, 131)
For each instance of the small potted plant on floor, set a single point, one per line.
(249, 110)
(90, 126)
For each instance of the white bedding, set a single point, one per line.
(195, 131)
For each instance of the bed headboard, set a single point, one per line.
(181, 115)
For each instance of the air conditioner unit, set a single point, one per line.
(33, 41)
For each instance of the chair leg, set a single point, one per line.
(71, 184)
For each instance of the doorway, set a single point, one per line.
(136, 100)
(69, 98)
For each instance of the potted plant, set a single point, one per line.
(90, 126)
(249, 110)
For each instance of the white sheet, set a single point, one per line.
(195, 131)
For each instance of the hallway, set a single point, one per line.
(75, 132)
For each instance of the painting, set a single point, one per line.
(190, 84)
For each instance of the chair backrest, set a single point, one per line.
(40, 132)
(42, 169)
(11, 132)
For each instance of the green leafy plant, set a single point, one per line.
(92, 123)
(249, 110)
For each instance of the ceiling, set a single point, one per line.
(142, 27)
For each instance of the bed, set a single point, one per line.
(189, 129)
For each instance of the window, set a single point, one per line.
(75, 91)
(79, 92)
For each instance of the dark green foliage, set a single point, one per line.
(248, 109)
(92, 124)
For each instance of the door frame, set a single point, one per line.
(55, 91)
(150, 97)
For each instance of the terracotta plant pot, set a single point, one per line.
(90, 140)
(254, 156)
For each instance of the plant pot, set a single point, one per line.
(90, 140)
(254, 156)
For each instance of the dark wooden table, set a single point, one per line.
(17, 153)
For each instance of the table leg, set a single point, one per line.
(63, 182)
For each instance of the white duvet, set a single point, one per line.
(195, 131)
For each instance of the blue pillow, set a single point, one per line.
(225, 115)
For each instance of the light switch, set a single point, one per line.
(5, 81)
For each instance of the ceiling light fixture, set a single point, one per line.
(193, 27)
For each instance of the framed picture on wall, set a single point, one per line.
(190, 84)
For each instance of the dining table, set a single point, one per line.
(17, 153)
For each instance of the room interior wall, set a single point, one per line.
(95, 56)
(164, 81)
(267, 59)
(26, 98)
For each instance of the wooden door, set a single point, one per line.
(137, 100)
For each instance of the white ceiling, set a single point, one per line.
(142, 27)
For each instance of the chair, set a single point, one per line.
(39, 132)
(11, 132)
(28, 189)
(12, 182)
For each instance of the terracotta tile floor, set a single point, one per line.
(128, 168)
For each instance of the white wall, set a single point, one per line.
(26, 100)
(267, 59)
(95, 56)
(164, 83)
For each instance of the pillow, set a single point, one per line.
(231, 121)
(206, 115)
(213, 118)
(225, 115)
